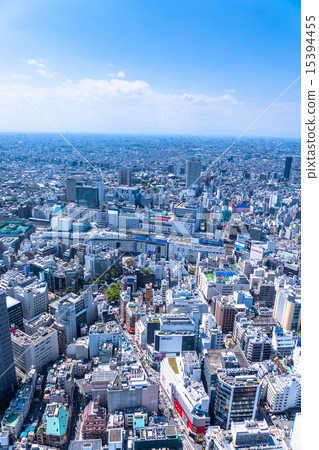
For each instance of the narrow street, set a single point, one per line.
(164, 403)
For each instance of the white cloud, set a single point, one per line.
(45, 73)
(120, 105)
(119, 74)
(42, 69)
(35, 62)
(31, 61)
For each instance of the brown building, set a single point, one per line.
(125, 177)
(94, 421)
(148, 295)
(134, 311)
(225, 313)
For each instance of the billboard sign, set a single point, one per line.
(240, 245)
(256, 252)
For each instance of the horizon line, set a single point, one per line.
(177, 135)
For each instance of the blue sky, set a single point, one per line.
(145, 66)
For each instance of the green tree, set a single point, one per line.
(113, 292)
(116, 272)
(68, 290)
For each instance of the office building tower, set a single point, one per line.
(36, 350)
(287, 167)
(14, 312)
(148, 295)
(87, 196)
(71, 190)
(225, 313)
(237, 396)
(216, 360)
(257, 345)
(266, 292)
(72, 312)
(99, 184)
(34, 298)
(152, 324)
(164, 288)
(193, 171)
(7, 369)
(125, 177)
(287, 308)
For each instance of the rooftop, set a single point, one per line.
(57, 419)
(24, 339)
(155, 433)
(172, 362)
(115, 435)
(214, 361)
(107, 327)
(14, 227)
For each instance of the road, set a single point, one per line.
(164, 403)
(75, 427)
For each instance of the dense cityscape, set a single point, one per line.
(150, 292)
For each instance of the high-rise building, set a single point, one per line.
(7, 369)
(225, 314)
(36, 350)
(266, 292)
(34, 298)
(287, 308)
(72, 312)
(287, 167)
(164, 288)
(14, 312)
(257, 345)
(193, 171)
(237, 396)
(99, 184)
(87, 196)
(129, 387)
(148, 295)
(125, 177)
(71, 190)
